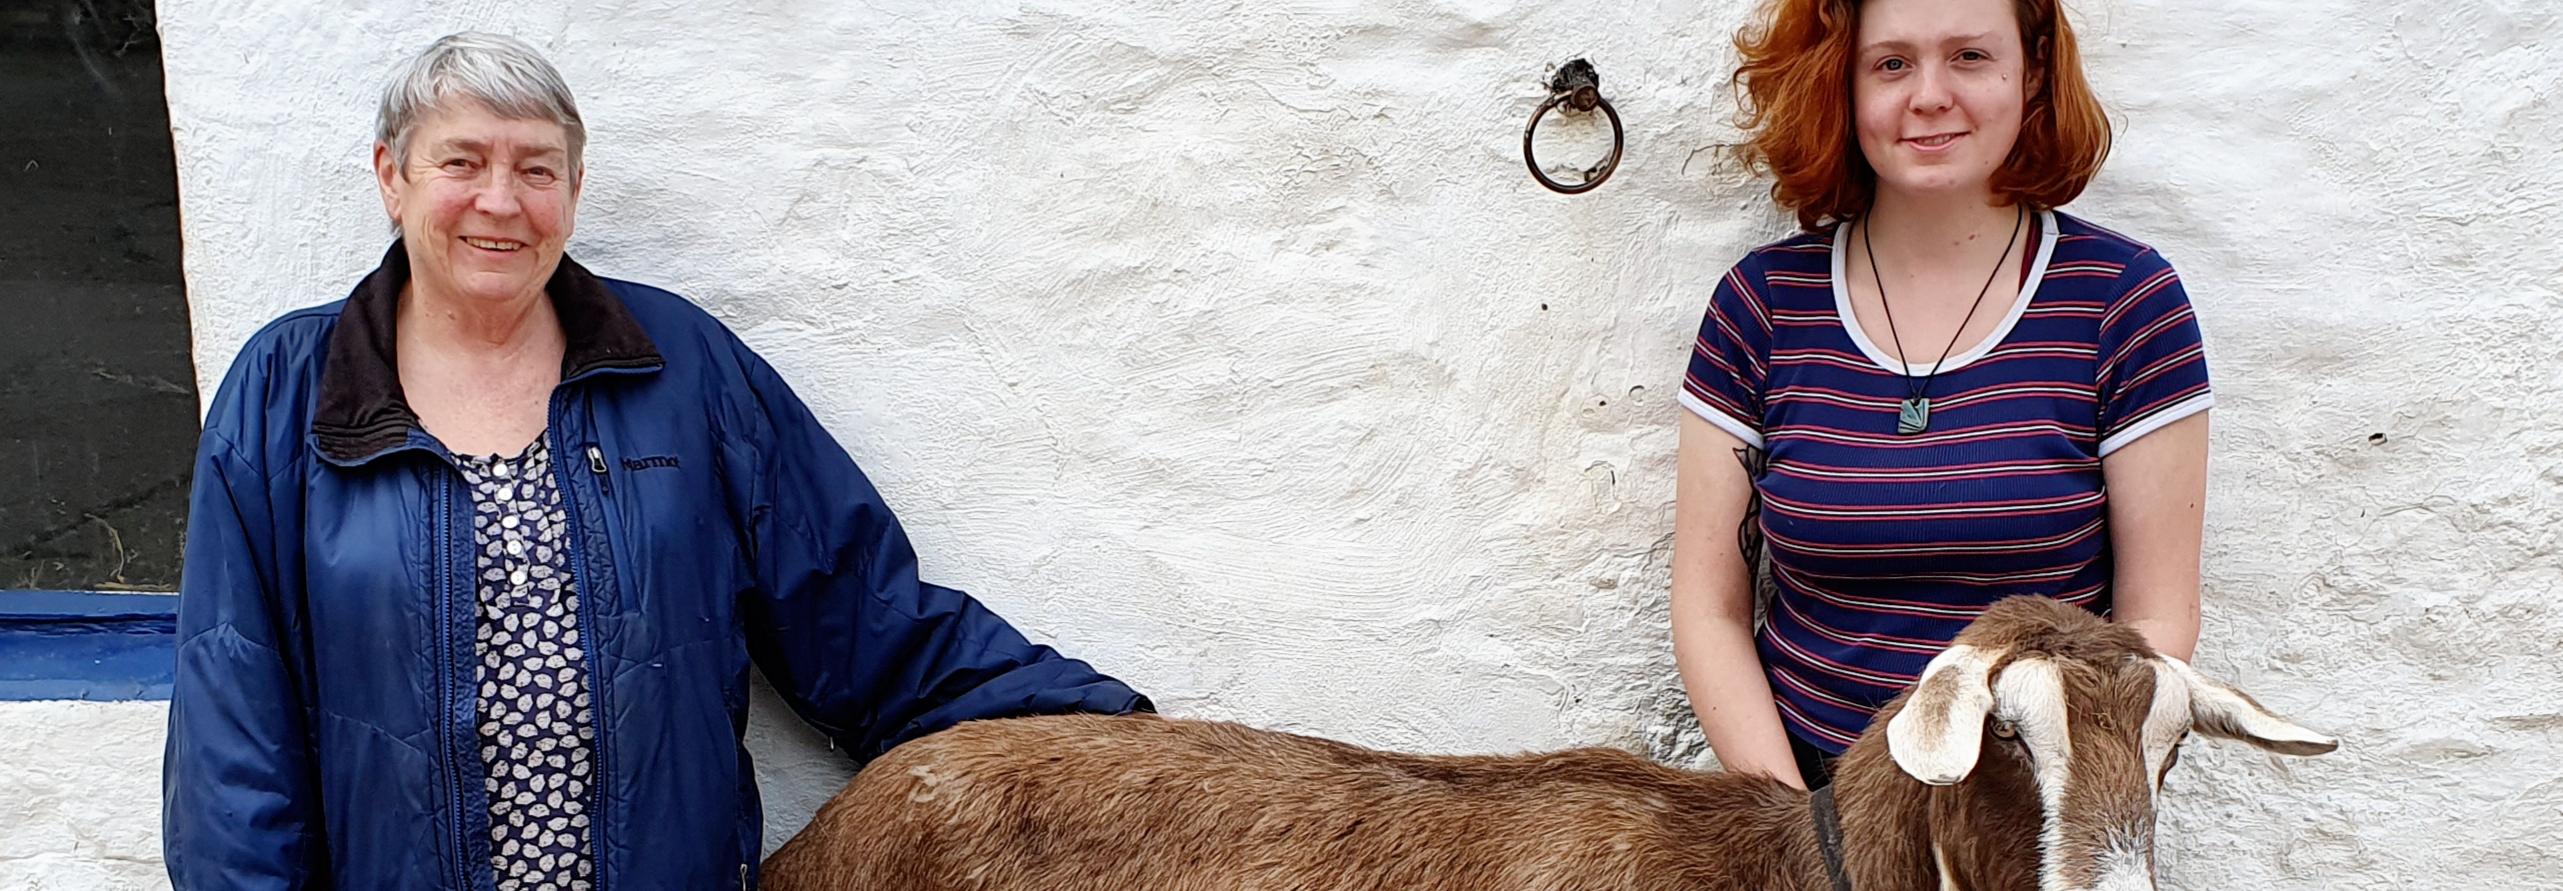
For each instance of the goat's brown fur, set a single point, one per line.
(1092, 803)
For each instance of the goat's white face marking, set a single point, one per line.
(2031, 695)
(2125, 865)
(2126, 858)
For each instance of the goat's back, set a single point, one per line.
(1093, 802)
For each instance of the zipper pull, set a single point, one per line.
(596, 465)
(743, 877)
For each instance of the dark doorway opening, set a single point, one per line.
(98, 417)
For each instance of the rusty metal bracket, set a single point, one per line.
(1578, 87)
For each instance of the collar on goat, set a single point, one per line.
(1828, 836)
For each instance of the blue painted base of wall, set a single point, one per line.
(95, 647)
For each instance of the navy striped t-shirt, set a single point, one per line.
(1883, 545)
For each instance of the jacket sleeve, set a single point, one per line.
(860, 647)
(238, 808)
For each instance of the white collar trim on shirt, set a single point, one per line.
(1869, 348)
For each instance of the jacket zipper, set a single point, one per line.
(579, 577)
(446, 688)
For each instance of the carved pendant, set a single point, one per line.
(1914, 416)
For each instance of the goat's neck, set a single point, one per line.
(1886, 827)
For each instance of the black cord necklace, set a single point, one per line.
(1914, 414)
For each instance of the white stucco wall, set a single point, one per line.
(1228, 345)
(80, 795)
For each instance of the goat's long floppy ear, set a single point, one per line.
(1937, 735)
(2224, 712)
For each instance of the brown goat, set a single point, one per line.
(2026, 759)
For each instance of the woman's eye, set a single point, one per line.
(1973, 56)
(1891, 65)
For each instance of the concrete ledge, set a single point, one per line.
(83, 646)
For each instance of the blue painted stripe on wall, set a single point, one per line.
(95, 647)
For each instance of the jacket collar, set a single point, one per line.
(362, 413)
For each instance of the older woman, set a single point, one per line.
(478, 558)
(1948, 391)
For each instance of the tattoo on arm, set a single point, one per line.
(1748, 533)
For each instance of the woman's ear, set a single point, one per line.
(388, 178)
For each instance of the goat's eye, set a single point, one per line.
(2004, 730)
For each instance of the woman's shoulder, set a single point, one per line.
(677, 325)
(1803, 250)
(654, 305)
(298, 335)
(696, 343)
(268, 387)
(2082, 241)
(290, 346)
(1804, 259)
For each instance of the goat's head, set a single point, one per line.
(2043, 702)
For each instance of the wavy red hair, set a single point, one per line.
(1795, 78)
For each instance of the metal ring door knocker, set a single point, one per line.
(1578, 87)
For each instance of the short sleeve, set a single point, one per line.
(2153, 364)
(1730, 360)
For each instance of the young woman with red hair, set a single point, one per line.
(1943, 392)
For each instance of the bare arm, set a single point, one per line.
(1712, 608)
(2157, 509)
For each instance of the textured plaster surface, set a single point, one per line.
(80, 795)
(1229, 346)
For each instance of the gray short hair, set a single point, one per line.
(498, 71)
